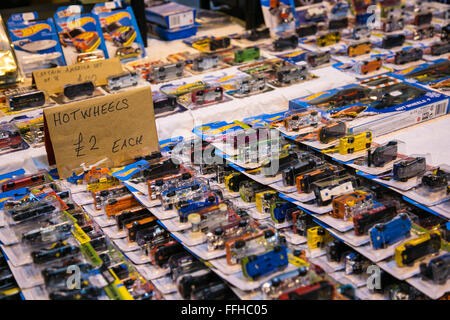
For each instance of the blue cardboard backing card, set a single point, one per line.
(408, 74)
(121, 34)
(216, 129)
(80, 33)
(36, 42)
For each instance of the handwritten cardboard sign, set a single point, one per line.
(115, 127)
(53, 80)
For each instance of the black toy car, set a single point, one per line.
(424, 33)
(285, 43)
(256, 35)
(195, 281)
(26, 100)
(318, 58)
(423, 18)
(439, 48)
(288, 74)
(218, 291)
(337, 250)
(437, 270)
(409, 168)
(57, 274)
(72, 91)
(165, 104)
(219, 43)
(306, 30)
(435, 180)
(383, 154)
(42, 208)
(57, 251)
(408, 55)
(338, 23)
(391, 41)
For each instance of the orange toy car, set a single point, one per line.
(348, 205)
(359, 49)
(114, 206)
(368, 66)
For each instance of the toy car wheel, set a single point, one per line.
(239, 244)
(211, 199)
(268, 234)
(252, 258)
(161, 69)
(321, 232)
(380, 227)
(195, 187)
(218, 232)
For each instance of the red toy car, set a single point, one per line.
(9, 137)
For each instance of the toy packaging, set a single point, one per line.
(80, 34)
(35, 41)
(380, 104)
(121, 33)
(171, 15)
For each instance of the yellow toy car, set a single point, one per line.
(328, 39)
(416, 249)
(352, 143)
(263, 200)
(317, 237)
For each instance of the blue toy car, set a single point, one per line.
(190, 207)
(281, 210)
(254, 266)
(383, 235)
(340, 10)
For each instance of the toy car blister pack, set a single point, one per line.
(79, 33)
(35, 41)
(121, 33)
